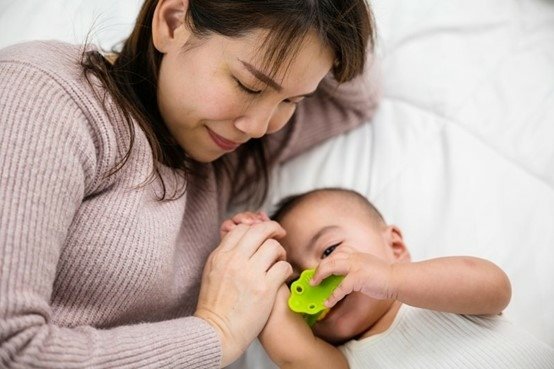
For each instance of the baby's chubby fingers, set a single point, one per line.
(226, 227)
(263, 215)
(246, 217)
(346, 287)
(334, 265)
(249, 217)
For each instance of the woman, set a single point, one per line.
(116, 172)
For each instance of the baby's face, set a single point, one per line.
(315, 229)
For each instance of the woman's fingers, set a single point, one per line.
(240, 281)
(256, 235)
(268, 254)
(278, 274)
(232, 238)
(247, 239)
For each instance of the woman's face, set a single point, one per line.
(214, 95)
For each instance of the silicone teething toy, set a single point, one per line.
(308, 300)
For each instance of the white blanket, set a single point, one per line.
(461, 152)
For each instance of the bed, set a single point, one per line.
(461, 152)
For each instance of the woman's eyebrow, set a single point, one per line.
(261, 76)
(268, 80)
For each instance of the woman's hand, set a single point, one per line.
(239, 284)
(247, 217)
(363, 273)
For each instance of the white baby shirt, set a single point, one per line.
(426, 339)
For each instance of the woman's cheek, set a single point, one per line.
(281, 118)
(223, 104)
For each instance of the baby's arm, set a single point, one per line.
(290, 343)
(459, 284)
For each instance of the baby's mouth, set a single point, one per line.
(333, 311)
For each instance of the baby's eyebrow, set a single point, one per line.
(320, 234)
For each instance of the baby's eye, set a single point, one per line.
(329, 250)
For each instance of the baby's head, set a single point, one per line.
(319, 222)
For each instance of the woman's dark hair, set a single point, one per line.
(346, 26)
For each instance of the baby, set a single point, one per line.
(388, 312)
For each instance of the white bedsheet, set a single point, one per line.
(461, 152)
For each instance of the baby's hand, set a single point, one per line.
(286, 335)
(246, 217)
(363, 273)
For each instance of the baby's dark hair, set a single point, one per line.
(287, 204)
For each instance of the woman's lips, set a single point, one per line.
(223, 143)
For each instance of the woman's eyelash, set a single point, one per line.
(257, 92)
(329, 250)
(246, 89)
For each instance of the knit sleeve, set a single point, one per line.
(334, 109)
(48, 163)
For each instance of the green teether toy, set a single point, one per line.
(308, 300)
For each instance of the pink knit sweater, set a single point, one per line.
(94, 272)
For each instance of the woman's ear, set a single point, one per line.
(168, 25)
(396, 242)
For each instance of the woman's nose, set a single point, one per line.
(255, 122)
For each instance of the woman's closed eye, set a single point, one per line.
(245, 89)
(329, 250)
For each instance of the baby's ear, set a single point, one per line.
(396, 242)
